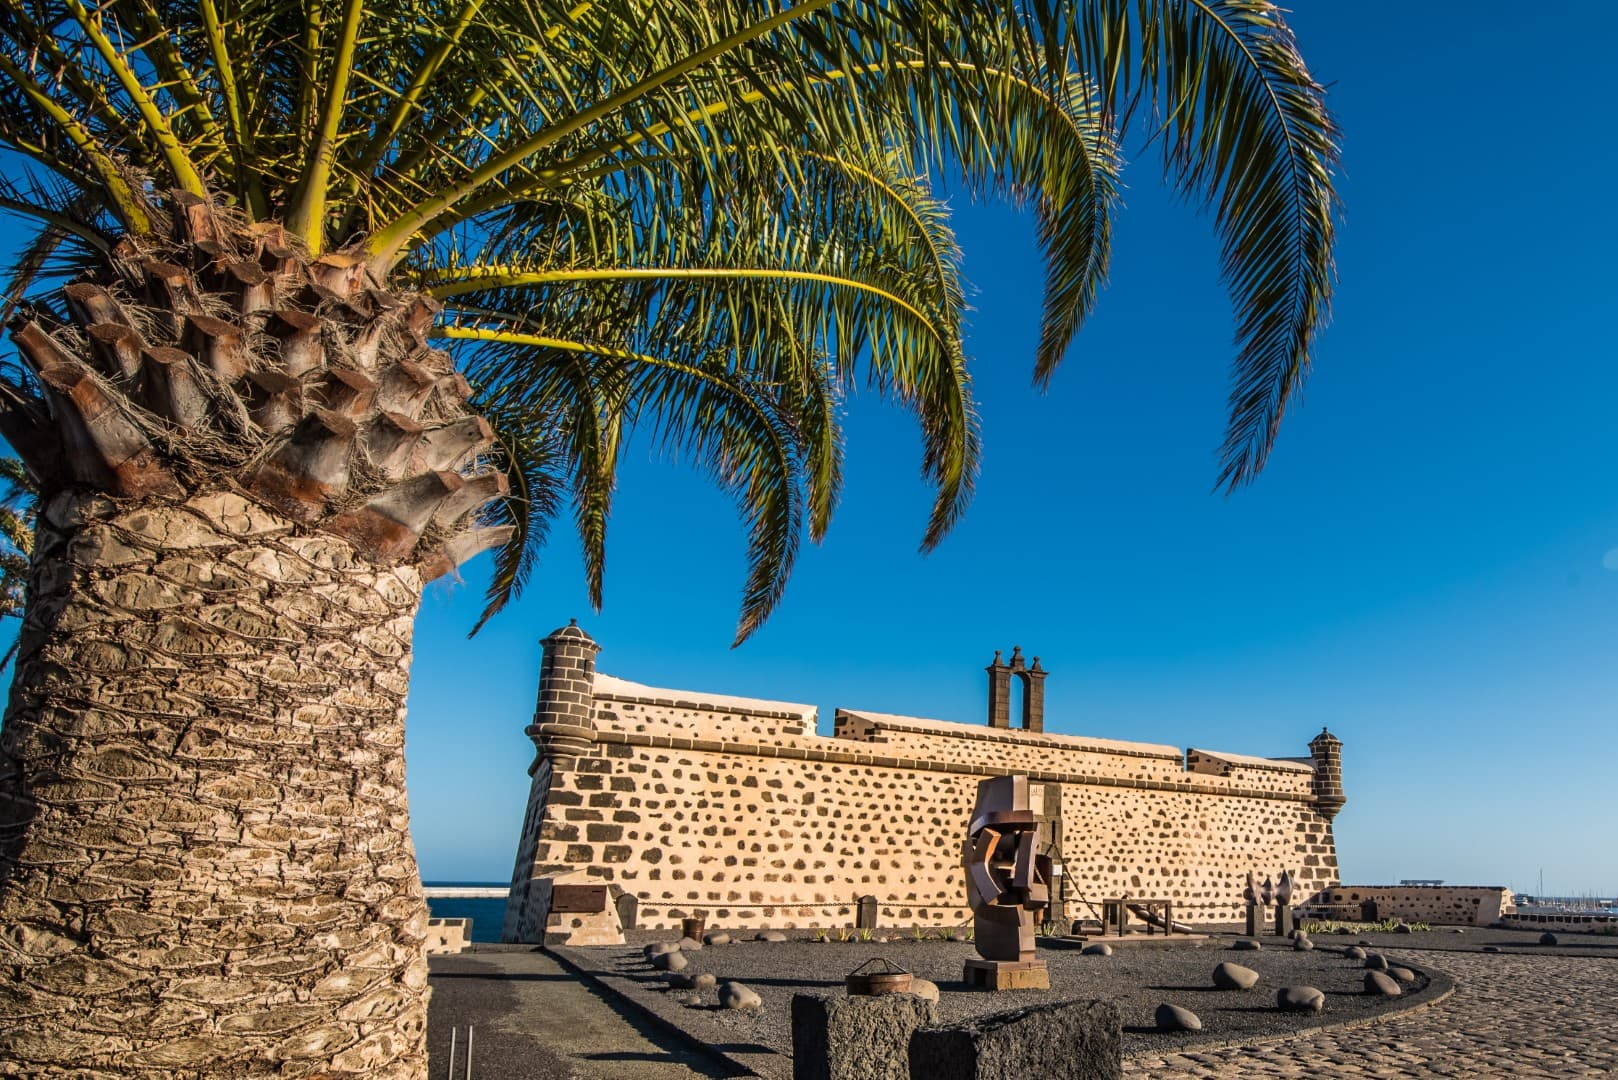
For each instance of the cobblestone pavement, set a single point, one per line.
(1509, 1016)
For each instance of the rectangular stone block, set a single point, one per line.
(1006, 974)
(1074, 1040)
(838, 1037)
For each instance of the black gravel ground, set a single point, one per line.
(1138, 979)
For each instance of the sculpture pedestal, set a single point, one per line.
(983, 974)
(1255, 921)
(1283, 920)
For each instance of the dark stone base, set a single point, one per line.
(836, 1037)
(1074, 1040)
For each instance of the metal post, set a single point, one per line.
(450, 1075)
(469, 1052)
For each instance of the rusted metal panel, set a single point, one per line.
(579, 899)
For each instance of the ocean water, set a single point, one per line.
(486, 915)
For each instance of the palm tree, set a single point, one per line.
(329, 296)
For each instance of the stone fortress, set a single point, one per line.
(685, 803)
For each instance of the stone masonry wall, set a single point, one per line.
(1448, 905)
(734, 809)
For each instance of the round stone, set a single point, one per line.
(881, 941)
(1300, 932)
(693, 1000)
(1547, 938)
(1354, 952)
(1457, 930)
(715, 937)
(658, 948)
(670, 961)
(957, 937)
(1403, 928)
(1403, 974)
(1176, 1018)
(769, 935)
(1376, 962)
(1245, 944)
(1300, 999)
(689, 944)
(733, 995)
(1378, 982)
(1228, 976)
(925, 988)
(1302, 944)
(1100, 948)
(705, 981)
(679, 980)
(1491, 948)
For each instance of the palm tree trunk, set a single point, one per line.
(205, 862)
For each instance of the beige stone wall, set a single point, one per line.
(734, 809)
(1449, 905)
(447, 935)
(1193, 848)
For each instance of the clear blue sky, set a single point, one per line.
(1420, 568)
(1429, 566)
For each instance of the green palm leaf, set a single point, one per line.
(734, 191)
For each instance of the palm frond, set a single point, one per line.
(712, 212)
(1244, 128)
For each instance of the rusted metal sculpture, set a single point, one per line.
(1007, 887)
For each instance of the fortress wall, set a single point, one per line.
(999, 750)
(1194, 848)
(755, 840)
(1448, 905)
(733, 808)
(525, 912)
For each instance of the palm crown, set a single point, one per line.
(701, 220)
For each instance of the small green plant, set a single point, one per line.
(844, 934)
(1333, 926)
(822, 936)
(918, 933)
(865, 935)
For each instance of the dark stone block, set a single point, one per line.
(837, 1037)
(1075, 1040)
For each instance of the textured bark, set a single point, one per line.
(252, 460)
(205, 864)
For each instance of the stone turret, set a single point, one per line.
(563, 724)
(1033, 697)
(1033, 691)
(1327, 750)
(999, 692)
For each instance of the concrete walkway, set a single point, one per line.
(1509, 1016)
(535, 1021)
